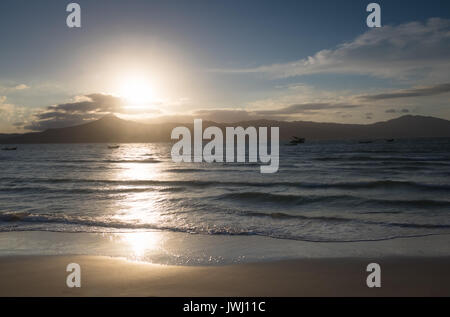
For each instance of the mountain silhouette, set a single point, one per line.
(111, 129)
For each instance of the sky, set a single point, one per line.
(227, 61)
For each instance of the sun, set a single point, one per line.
(136, 89)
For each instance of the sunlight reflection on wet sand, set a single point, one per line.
(142, 242)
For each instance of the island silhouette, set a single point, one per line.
(111, 129)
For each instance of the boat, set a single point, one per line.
(365, 141)
(113, 146)
(9, 148)
(389, 140)
(296, 140)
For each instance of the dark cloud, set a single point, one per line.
(94, 106)
(236, 115)
(93, 103)
(221, 115)
(408, 93)
(305, 108)
(58, 120)
(343, 115)
(397, 111)
(88, 108)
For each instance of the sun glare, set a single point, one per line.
(142, 242)
(137, 90)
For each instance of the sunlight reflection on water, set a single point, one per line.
(324, 191)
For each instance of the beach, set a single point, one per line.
(140, 225)
(180, 264)
(227, 149)
(107, 276)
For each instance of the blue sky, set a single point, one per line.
(224, 60)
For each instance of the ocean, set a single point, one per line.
(325, 191)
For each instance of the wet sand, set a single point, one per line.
(108, 276)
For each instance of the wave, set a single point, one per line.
(349, 200)
(73, 224)
(384, 158)
(11, 217)
(415, 203)
(172, 189)
(378, 184)
(282, 216)
(149, 160)
(259, 197)
(188, 170)
(55, 190)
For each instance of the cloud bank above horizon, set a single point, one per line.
(379, 74)
(403, 52)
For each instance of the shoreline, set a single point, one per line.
(108, 276)
(175, 248)
(164, 264)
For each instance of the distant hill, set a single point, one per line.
(108, 129)
(111, 129)
(8, 135)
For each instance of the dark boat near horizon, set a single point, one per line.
(113, 146)
(9, 148)
(296, 140)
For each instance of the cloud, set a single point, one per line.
(57, 120)
(10, 87)
(21, 87)
(290, 112)
(400, 52)
(397, 111)
(407, 93)
(302, 108)
(6, 109)
(224, 115)
(10, 113)
(83, 109)
(91, 103)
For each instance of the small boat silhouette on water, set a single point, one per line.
(113, 146)
(9, 148)
(296, 140)
(389, 140)
(365, 141)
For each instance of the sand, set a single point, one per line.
(107, 276)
